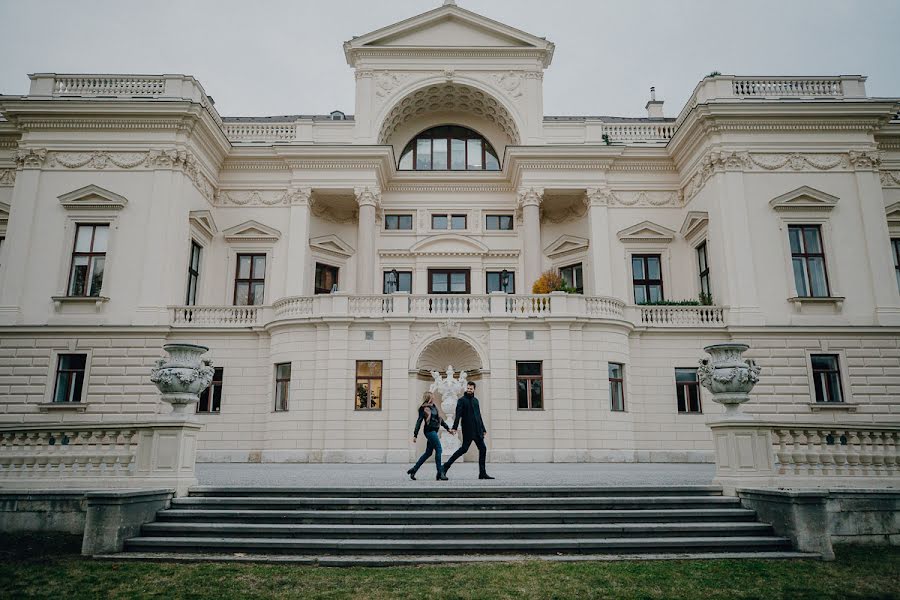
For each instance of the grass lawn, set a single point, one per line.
(29, 570)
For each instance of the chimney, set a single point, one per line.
(654, 107)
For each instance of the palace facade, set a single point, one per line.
(331, 262)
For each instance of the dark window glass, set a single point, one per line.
(326, 278)
(282, 386)
(687, 389)
(827, 377)
(211, 397)
(457, 221)
(895, 245)
(449, 147)
(397, 281)
(808, 261)
(69, 377)
(501, 281)
(439, 221)
(498, 222)
(88, 260)
(368, 385)
(448, 281)
(573, 277)
(398, 222)
(193, 274)
(703, 265)
(616, 386)
(646, 276)
(529, 385)
(250, 280)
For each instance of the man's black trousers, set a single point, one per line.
(482, 454)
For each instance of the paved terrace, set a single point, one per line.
(461, 475)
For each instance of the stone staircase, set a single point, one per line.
(452, 524)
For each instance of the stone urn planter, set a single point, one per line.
(182, 376)
(729, 377)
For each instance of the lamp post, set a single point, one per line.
(504, 280)
(393, 281)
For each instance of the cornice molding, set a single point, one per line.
(448, 187)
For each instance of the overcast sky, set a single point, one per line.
(272, 57)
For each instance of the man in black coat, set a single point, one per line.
(468, 411)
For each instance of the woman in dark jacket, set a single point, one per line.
(428, 412)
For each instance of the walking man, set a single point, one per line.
(469, 413)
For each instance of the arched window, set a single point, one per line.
(449, 148)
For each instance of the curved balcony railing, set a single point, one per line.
(680, 316)
(216, 316)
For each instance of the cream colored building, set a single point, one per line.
(312, 253)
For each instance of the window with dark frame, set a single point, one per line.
(646, 278)
(368, 385)
(574, 277)
(282, 386)
(451, 222)
(398, 222)
(397, 281)
(808, 261)
(88, 260)
(827, 377)
(69, 377)
(193, 274)
(498, 222)
(211, 398)
(500, 281)
(895, 245)
(616, 386)
(449, 148)
(250, 280)
(687, 390)
(529, 385)
(703, 266)
(448, 281)
(326, 278)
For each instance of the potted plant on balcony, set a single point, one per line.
(551, 281)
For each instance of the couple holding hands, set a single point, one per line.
(468, 413)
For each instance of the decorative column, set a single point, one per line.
(529, 203)
(597, 201)
(368, 199)
(299, 280)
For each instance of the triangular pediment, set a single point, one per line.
(92, 197)
(202, 224)
(332, 245)
(252, 231)
(4, 216)
(647, 231)
(892, 212)
(449, 245)
(696, 222)
(566, 244)
(804, 199)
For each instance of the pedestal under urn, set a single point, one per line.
(183, 375)
(729, 377)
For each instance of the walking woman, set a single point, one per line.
(428, 412)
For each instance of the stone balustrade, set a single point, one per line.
(755, 453)
(498, 304)
(260, 132)
(639, 132)
(99, 455)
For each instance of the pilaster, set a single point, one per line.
(529, 203)
(299, 268)
(597, 200)
(369, 199)
(560, 402)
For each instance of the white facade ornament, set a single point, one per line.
(511, 83)
(182, 376)
(888, 178)
(449, 328)
(299, 196)
(32, 158)
(450, 390)
(368, 196)
(729, 377)
(530, 197)
(598, 197)
(7, 177)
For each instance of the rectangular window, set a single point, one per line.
(88, 260)
(573, 277)
(423, 154)
(211, 398)
(827, 377)
(397, 281)
(808, 260)
(458, 155)
(442, 222)
(448, 281)
(282, 386)
(69, 377)
(895, 246)
(326, 278)
(398, 222)
(250, 280)
(616, 386)
(439, 221)
(529, 385)
(474, 154)
(501, 281)
(498, 222)
(368, 385)
(193, 274)
(646, 276)
(457, 221)
(703, 265)
(687, 389)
